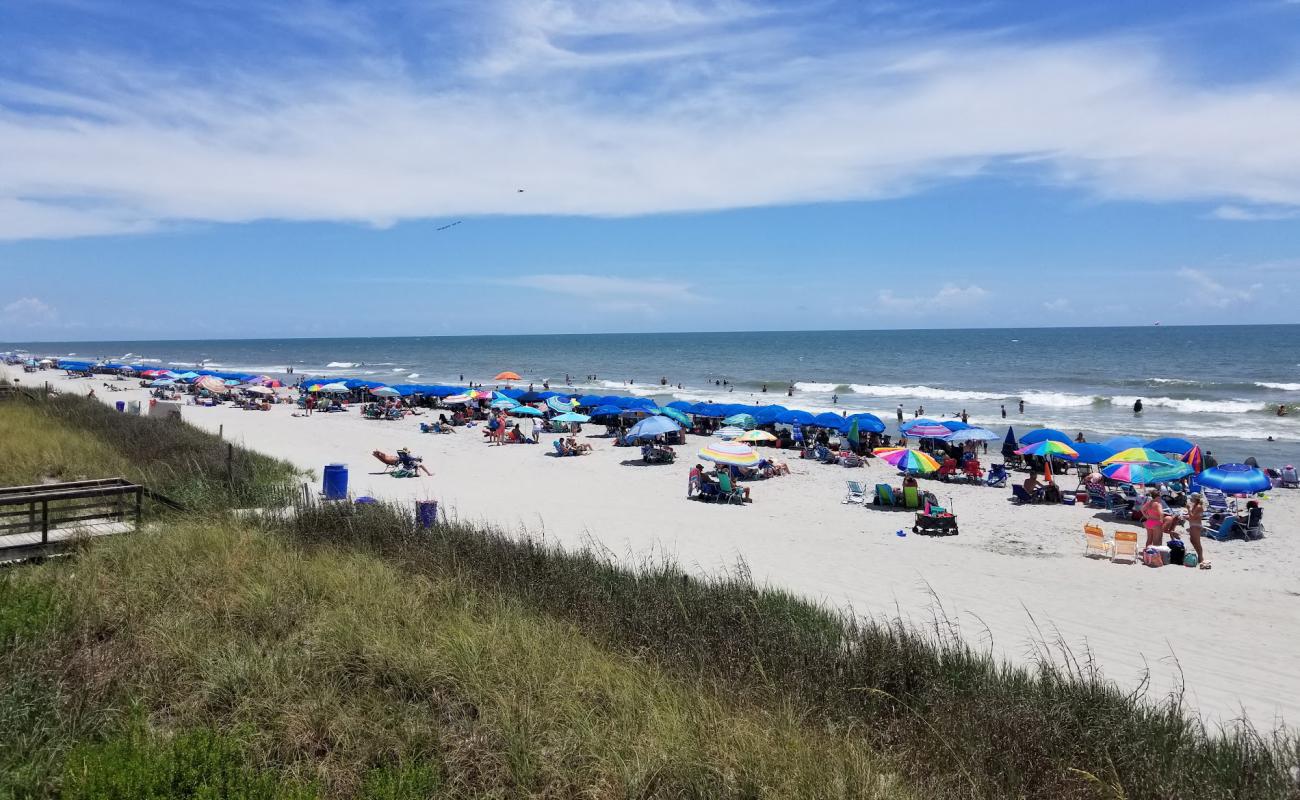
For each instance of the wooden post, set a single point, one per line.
(221, 431)
(230, 465)
(45, 522)
(139, 504)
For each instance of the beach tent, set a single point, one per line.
(606, 411)
(513, 394)
(589, 401)
(831, 421)
(681, 405)
(530, 397)
(651, 427)
(1045, 434)
(709, 410)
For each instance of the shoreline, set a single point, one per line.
(1014, 576)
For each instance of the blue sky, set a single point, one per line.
(212, 168)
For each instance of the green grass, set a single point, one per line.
(75, 438)
(337, 672)
(954, 720)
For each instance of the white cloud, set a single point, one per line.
(1205, 290)
(620, 109)
(948, 296)
(1058, 305)
(1255, 214)
(26, 312)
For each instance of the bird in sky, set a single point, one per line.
(452, 225)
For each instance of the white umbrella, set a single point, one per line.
(729, 432)
(335, 388)
(385, 391)
(258, 390)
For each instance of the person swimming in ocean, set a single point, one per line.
(1137, 406)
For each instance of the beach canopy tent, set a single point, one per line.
(1235, 479)
(75, 366)
(1171, 445)
(513, 394)
(571, 416)
(741, 420)
(681, 405)
(730, 453)
(1045, 434)
(606, 411)
(651, 427)
(589, 400)
(795, 416)
(530, 397)
(709, 410)
(406, 389)
(1146, 474)
(972, 434)
(1092, 452)
(634, 411)
(1118, 443)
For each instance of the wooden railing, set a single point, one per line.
(35, 520)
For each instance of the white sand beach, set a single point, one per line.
(1014, 580)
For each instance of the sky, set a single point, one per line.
(216, 168)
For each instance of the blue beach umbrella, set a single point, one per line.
(796, 416)
(1046, 434)
(651, 427)
(831, 421)
(525, 411)
(559, 405)
(681, 405)
(1093, 453)
(972, 434)
(504, 402)
(912, 423)
(606, 411)
(1235, 479)
(1170, 444)
(867, 423)
(1118, 443)
(589, 400)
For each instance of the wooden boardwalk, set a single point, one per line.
(44, 519)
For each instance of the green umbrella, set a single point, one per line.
(676, 415)
(745, 421)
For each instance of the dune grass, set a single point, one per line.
(954, 720)
(74, 438)
(237, 657)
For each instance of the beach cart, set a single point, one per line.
(941, 524)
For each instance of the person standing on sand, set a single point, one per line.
(1195, 520)
(1152, 517)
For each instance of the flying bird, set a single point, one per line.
(519, 191)
(452, 225)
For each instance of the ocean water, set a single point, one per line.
(1219, 385)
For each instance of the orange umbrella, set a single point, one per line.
(508, 376)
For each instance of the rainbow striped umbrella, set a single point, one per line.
(1146, 474)
(1048, 448)
(906, 459)
(1139, 455)
(756, 436)
(928, 431)
(732, 453)
(1194, 457)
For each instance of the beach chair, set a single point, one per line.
(1098, 497)
(885, 495)
(848, 458)
(1094, 541)
(855, 493)
(1288, 479)
(560, 449)
(911, 497)
(728, 491)
(1124, 547)
(971, 469)
(997, 476)
(947, 469)
(1216, 502)
(1019, 495)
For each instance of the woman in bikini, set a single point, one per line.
(1195, 520)
(1153, 517)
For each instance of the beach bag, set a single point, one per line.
(1177, 552)
(1152, 557)
(1190, 560)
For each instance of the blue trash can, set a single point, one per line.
(334, 484)
(426, 513)
(121, 405)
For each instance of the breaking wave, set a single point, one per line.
(341, 364)
(926, 392)
(1195, 406)
(1286, 387)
